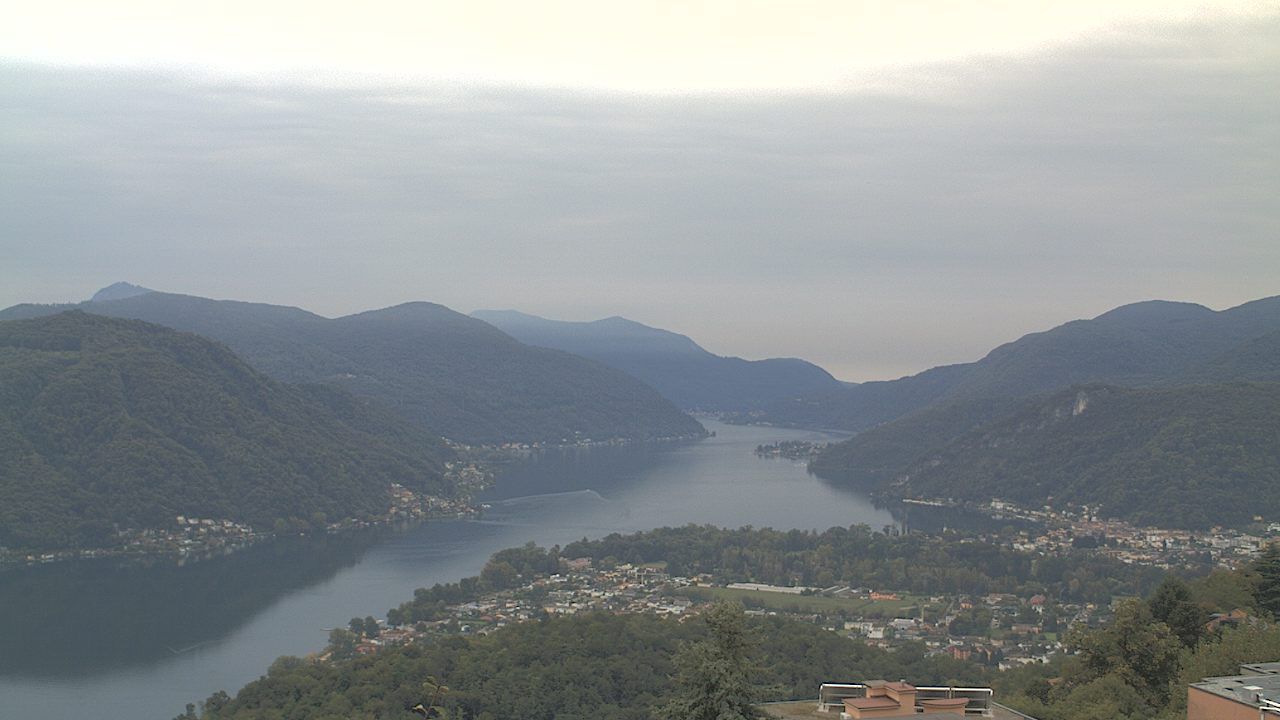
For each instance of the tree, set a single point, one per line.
(1224, 590)
(342, 643)
(713, 676)
(395, 617)
(1267, 568)
(1172, 605)
(499, 575)
(1135, 647)
(215, 702)
(1106, 698)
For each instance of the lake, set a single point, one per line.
(114, 640)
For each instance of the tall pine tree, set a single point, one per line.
(713, 676)
(1267, 568)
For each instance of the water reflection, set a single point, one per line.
(81, 617)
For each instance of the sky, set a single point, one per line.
(875, 187)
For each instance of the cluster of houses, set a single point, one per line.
(1009, 638)
(578, 588)
(1061, 530)
(406, 504)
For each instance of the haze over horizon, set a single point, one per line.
(875, 192)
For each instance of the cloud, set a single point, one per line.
(878, 231)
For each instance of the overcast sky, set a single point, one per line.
(879, 188)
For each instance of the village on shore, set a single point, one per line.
(189, 539)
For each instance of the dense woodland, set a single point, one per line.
(108, 424)
(456, 376)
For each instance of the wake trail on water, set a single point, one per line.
(189, 648)
(591, 495)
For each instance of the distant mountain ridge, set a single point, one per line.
(1139, 344)
(459, 377)
(108, 423)
(674, 364)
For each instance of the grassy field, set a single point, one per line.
(809, 603)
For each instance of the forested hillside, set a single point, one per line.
(1185, 456)
(1192, 456)
(1161, 349)
(457, 376)
(108, 424)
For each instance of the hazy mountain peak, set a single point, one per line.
(416, 310)
(1149, 311)
(119, 291)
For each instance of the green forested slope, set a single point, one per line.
(108, 423)
(1190, 456)
(457, 376)
(1257, 359)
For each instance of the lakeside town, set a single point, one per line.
(1052, 531)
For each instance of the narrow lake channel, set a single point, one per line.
(138, 641)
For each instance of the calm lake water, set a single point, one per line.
(107, 640)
